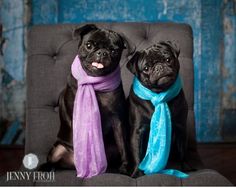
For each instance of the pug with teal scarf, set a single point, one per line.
(157, 112)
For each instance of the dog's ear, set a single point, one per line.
(133, 63)
(79, 32)
(174, 48)
(127, 44)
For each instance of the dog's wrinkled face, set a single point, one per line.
(99, 49)
(156, 67)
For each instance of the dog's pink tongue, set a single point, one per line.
(98, 65)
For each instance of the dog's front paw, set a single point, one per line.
(123, 169)
(137, 173)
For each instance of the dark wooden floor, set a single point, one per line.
(221, 157)
(10, 158)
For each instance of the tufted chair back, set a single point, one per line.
(51, 50)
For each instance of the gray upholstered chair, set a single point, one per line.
(51, 50)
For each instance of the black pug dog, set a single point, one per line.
(156, 68)
(104, 47)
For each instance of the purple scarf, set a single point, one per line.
(89, 152)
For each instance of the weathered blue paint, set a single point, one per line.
(11, 133)
(12, 69)
(209, 106)
(103, 10)
(11, 18)
(229, 67)
(44, 11)
(229, 72)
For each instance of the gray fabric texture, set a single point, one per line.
(51, 50)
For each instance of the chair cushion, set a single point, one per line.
(206, 177)
(68, 178)
(198, 178)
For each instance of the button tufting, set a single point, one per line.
(145, 37)
(145, 34)
(54, 56)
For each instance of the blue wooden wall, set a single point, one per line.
(214, 28)
(12, 73)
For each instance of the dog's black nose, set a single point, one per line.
(102, 53)
(159, 68)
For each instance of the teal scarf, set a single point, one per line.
(159, 142)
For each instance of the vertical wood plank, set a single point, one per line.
(229, 72)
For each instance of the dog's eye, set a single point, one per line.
(113, 51)
(89, 45)
(168, 60)
(145, 69)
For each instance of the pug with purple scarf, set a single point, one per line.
(91, 137)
